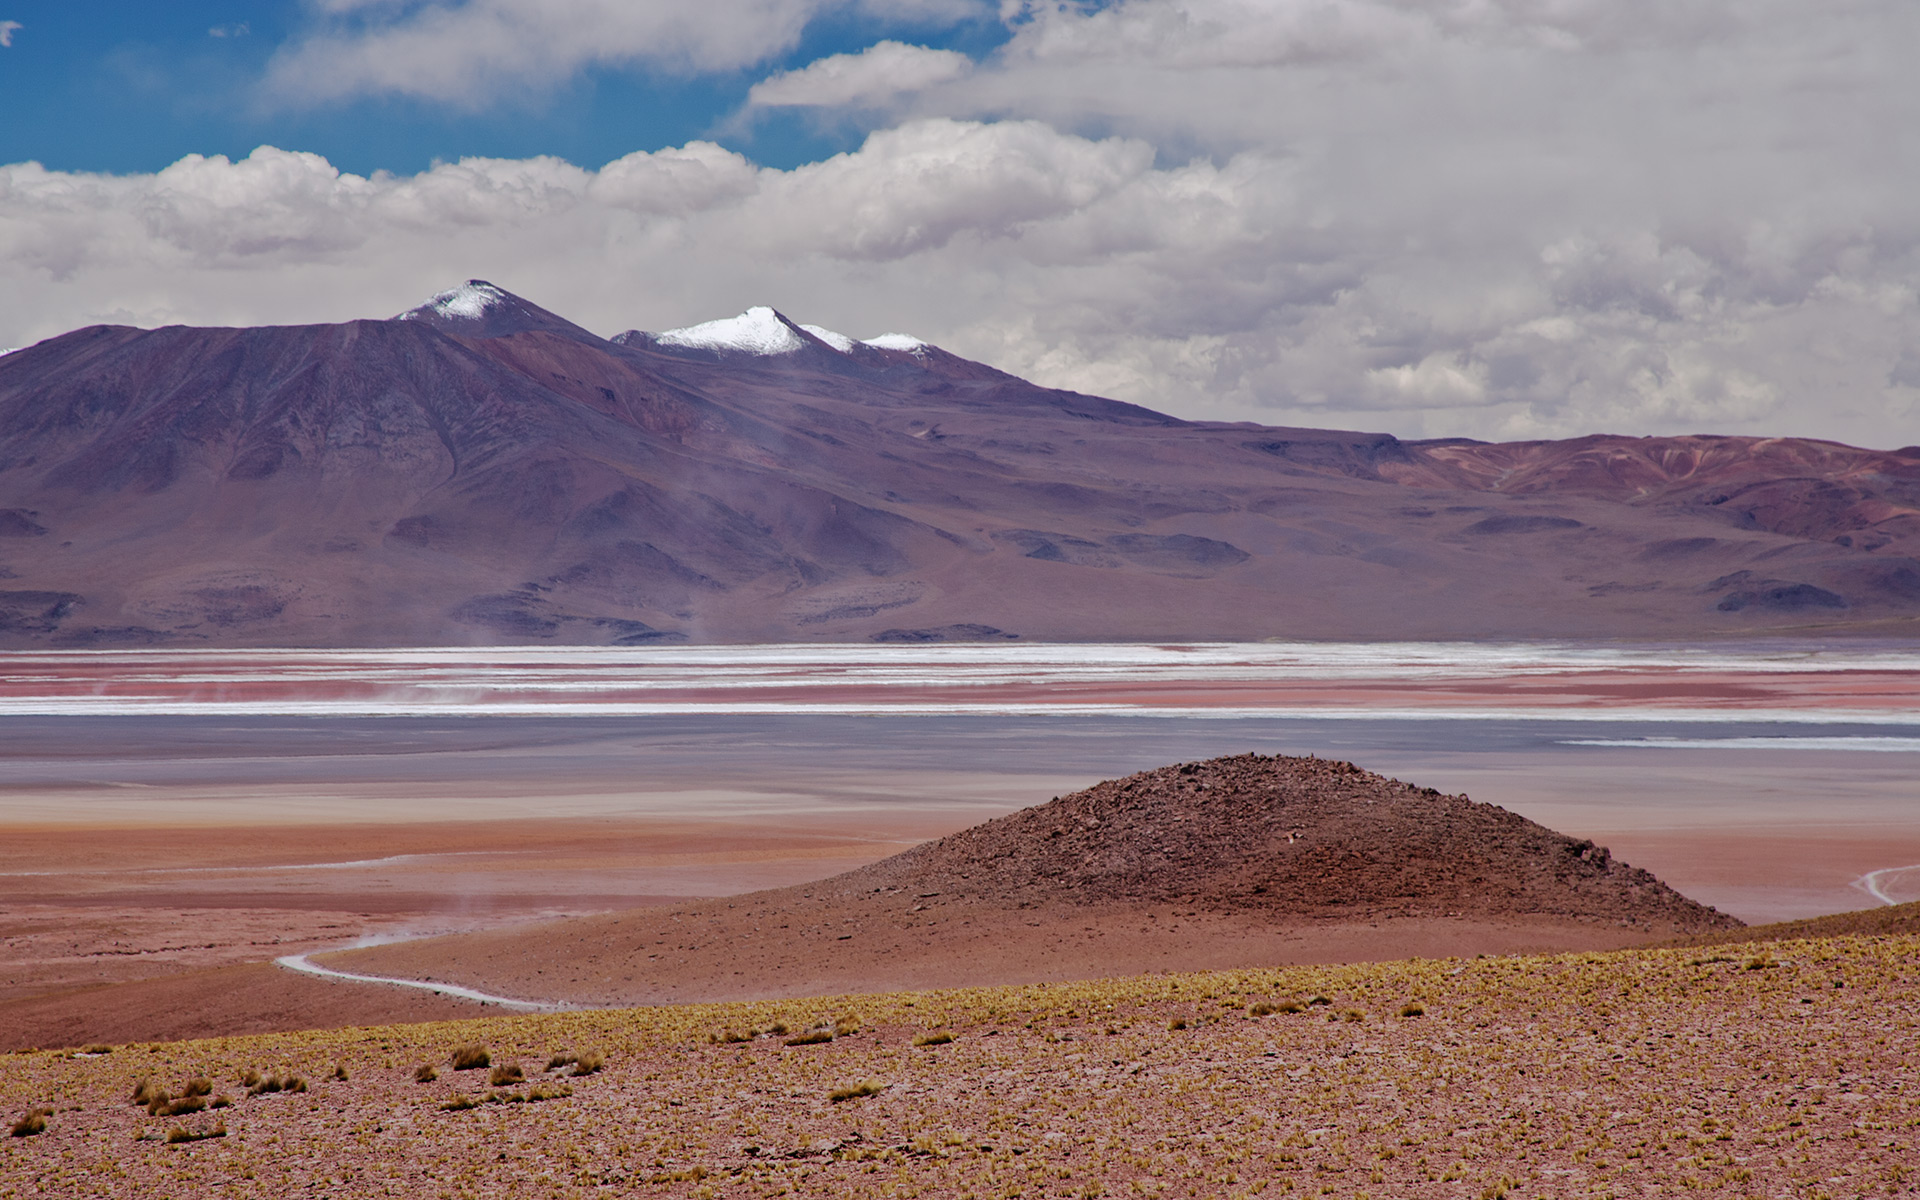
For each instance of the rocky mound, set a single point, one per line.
(1293, 836)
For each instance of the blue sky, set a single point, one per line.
(126, 85)
(1492, 218)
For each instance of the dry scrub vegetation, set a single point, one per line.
(1777, 1069)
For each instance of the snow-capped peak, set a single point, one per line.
(897, 341)
(759, 330)
(471, 300)
(839, 341)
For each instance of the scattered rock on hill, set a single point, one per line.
(1291, 836)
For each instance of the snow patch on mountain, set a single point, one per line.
(470, 300)
(897, 341)
(839, 341)
(759, 330)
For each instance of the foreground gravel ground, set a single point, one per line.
(1767, 1069)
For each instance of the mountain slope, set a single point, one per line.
(481, 470)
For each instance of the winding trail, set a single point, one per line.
(305, 965)
(1873, 882)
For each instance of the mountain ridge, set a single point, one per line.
(480, 470)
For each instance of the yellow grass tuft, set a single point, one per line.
(813, 1037)
(470, 1057)
(503, 1075)
(866, 1087)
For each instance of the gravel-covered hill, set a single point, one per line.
(1296, 836)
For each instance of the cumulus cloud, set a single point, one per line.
(466, 54)
(1494, 218)
(1229, 289)
(470, 53)
(7, 30)
(880, 72)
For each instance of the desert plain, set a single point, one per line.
(571, 845)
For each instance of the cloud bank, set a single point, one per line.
(1494, 218)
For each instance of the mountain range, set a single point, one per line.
(480, 470)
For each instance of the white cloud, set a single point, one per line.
(472, 54)
(880, 72)
(1235, 289)
(7, 30)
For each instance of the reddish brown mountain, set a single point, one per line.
(481, 470)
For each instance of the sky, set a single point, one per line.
(1501, 219)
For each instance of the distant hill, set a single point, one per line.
(1293, 837)
(1893, 920)
(480, 470)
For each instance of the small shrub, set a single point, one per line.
(869, 1087)
(1177, 1023)
(179, 1134)
(1352, 1014)
(777, 1029)
(35, 1122)
(262, 1084)
(97, 1048)
(200, 1085)
(567, 1058)
(219, 1102)
(424, 1073)
(144, 1091)
(690, 1175)
(339, 1073)
(293, 1083)
(505, 1074)
(177, 1108)
(1317, 1001)
(588, 1063)
(1412, 1010)
(461, 1104)
(846, 1027)
(813, 1037)
(937, 1038)
(249, 1077)
(470, 1057)
(544, 1092)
